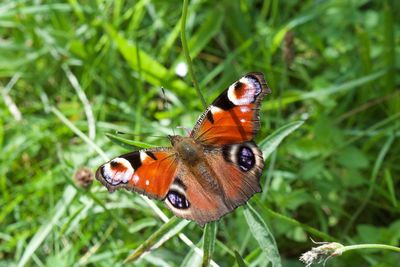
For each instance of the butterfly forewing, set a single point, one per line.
(149, 172)
(234, 116)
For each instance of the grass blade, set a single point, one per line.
(126, 143)
(185, 48)
(168, 230)
(43, 232)
(378, 163)
(270, 143)
(324, 92)
(210, 232)
(152, 71)
(391, 187)
(239, 260)
(262, 234)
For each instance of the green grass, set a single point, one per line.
(73, 73)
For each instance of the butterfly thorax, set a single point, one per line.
(187, 149)
(191, 154)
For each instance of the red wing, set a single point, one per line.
(233, 117)
(238, 169)
(228, 177)
(149, 172)
(189, 199)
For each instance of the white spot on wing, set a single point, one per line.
(147, 182)
(215, 110)
(143, 156)
(242, 120)
(244, 109)
(135, 178)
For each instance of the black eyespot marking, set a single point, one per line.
(177, 200)
(210, 116)
(238, 85)
(151, 155)
(223, 102)
(114, 164)
(246, 158)
(134, 159)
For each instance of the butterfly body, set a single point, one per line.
(209, 173)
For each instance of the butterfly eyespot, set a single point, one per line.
(177, 200)
(117, 171)
(245, 158)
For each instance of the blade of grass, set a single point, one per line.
(293, 222)
(277, 39)
(263, 235)
(239, 260)
(43, 232)
(208, 29)
(79, 133)
(163, 234)
(342, 88)
(82, 96)
(390, 187)
(152, 71)
(378, 163)
(126, 143)
(270, 144)
(209, 234)
(186, 52)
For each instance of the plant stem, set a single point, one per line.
(362, 246)
(186, 51)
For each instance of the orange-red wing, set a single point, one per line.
(233, 117)
(149, 172)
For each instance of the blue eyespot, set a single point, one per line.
(246, 159)
(177, 200)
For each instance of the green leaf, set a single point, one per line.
(210, 232)
(126, 143)
(159, 237)
(262, 234)
(270, 143)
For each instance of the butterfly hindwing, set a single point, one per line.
(228, 177)
(149, 172)
(188, 198)
(238, 168)
(234, 116)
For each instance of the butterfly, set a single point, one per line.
(208, 173)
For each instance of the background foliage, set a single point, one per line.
(331, 63)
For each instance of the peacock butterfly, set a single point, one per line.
(209, 173)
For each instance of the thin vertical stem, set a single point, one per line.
(186, 51)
